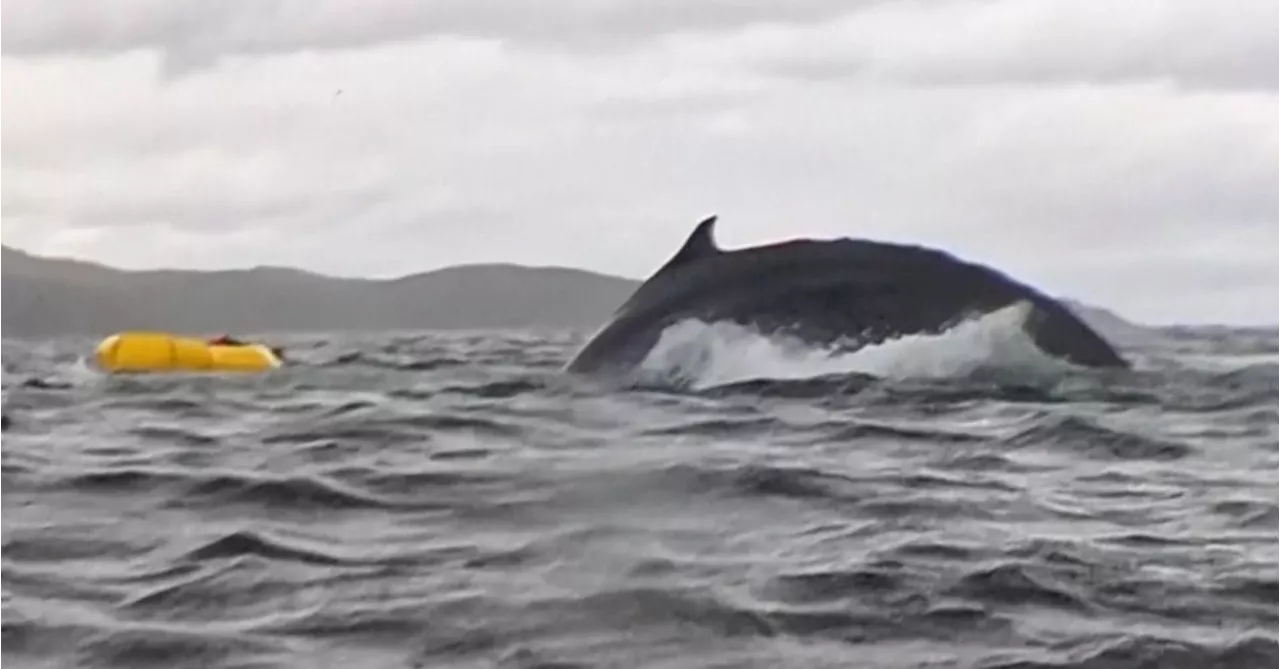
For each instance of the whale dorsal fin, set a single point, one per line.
(701, 244)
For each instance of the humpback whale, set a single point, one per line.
(837, 291)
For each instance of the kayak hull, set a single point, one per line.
(163, 352)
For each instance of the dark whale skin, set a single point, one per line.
(827, 292)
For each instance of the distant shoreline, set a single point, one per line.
(51, 297)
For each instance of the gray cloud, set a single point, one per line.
(1221, 44)
(1232, 44)
(1124, 154)
(279, 26)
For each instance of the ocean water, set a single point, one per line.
(453, 500)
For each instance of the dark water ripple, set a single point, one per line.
(451, 500)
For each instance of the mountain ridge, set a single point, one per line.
(52, 296)
(47, 296)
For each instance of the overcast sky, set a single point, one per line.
(1121, 152)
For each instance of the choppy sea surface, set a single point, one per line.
(454, 500)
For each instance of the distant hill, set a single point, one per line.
(55, 296)
(1108, 323)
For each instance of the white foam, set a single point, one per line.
(81, 371)
(700, 355)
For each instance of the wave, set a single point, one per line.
(963, 509)
(1085, 437)
(699, 355)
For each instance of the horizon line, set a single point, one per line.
(501, 263)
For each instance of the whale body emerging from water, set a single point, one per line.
(843, 292)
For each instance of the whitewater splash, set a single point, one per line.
(698, 355)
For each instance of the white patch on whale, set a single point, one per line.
(700, 355)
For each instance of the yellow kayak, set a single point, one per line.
(161, 352)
